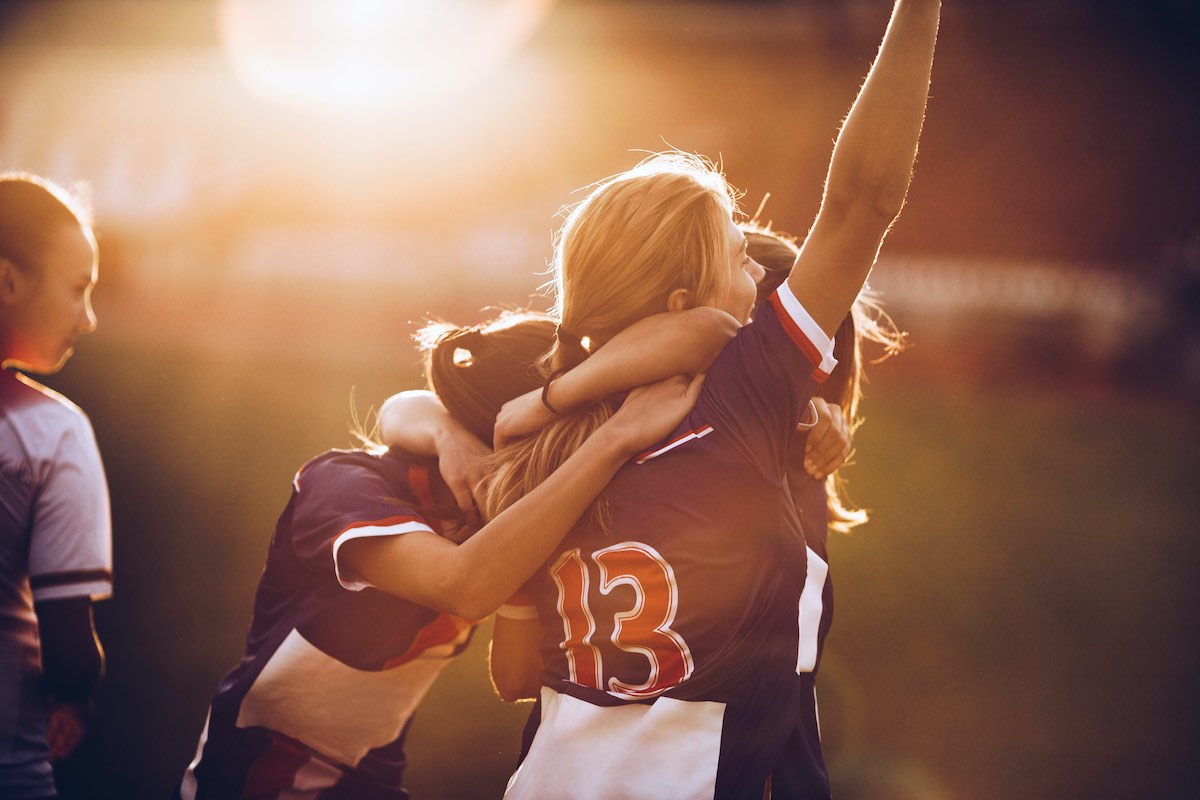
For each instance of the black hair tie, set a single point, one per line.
(558, 373)
(567, 339)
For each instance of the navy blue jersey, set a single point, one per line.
(799, 772)
(333, 668)
(676, 640)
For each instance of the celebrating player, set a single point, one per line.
(374, 580)
(681, 617)
(686, 341)
(55, 538)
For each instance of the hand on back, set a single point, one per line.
(829, 441)
(651, 412)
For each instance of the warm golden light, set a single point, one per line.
(356, 55)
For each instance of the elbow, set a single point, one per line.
(456, 583)
(713, 326)
(868, 207)
(887, 200)
(710, 329)
(472, 609)
(464, 598)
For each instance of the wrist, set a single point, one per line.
(612, 443)
(446, 432)
(554, 407)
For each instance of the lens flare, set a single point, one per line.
(370, 55)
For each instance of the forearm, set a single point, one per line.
(877, 146)
(472, 579)
(490, 566)
(72, 659)
(657, 347)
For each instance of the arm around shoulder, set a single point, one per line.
(472, 579)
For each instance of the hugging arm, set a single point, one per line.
(670, 343)
(871, 167)
(473, 578)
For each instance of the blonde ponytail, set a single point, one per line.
(635, 239)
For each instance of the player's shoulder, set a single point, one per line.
(338, 467)
(338, 462)
(20, 393)
(45, 423)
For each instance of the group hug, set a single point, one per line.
(638, 484)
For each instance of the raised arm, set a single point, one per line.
(472, 579)
(670, 343)
(871, 167)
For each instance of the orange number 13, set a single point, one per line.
(645, 628)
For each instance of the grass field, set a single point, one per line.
(1017, 621)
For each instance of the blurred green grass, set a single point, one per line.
(1016, 621)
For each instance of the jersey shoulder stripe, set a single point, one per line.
(390, 526)
(804, 332)
(683, 438)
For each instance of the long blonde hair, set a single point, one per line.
(635, 239)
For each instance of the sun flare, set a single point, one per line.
(367, 55)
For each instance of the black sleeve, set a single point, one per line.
(72, 660)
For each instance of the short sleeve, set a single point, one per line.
(344, 497)
(762, 381)
(70, 547)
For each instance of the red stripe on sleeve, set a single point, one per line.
(799, 338)
(418, 481)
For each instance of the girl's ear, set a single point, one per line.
(10, 279)
(678, 300)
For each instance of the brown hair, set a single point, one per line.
(476, 370)
(32, 211)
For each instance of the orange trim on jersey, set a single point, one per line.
(799, 338)
(275, 770)
(386, 521)
(418, 481)
(444, 629)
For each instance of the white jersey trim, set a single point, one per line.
(93, 589)
(806, 327)
(519, 611)
(690, 436)
(351, 580)
(635, 751)
(341, 712)
(811, 607)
